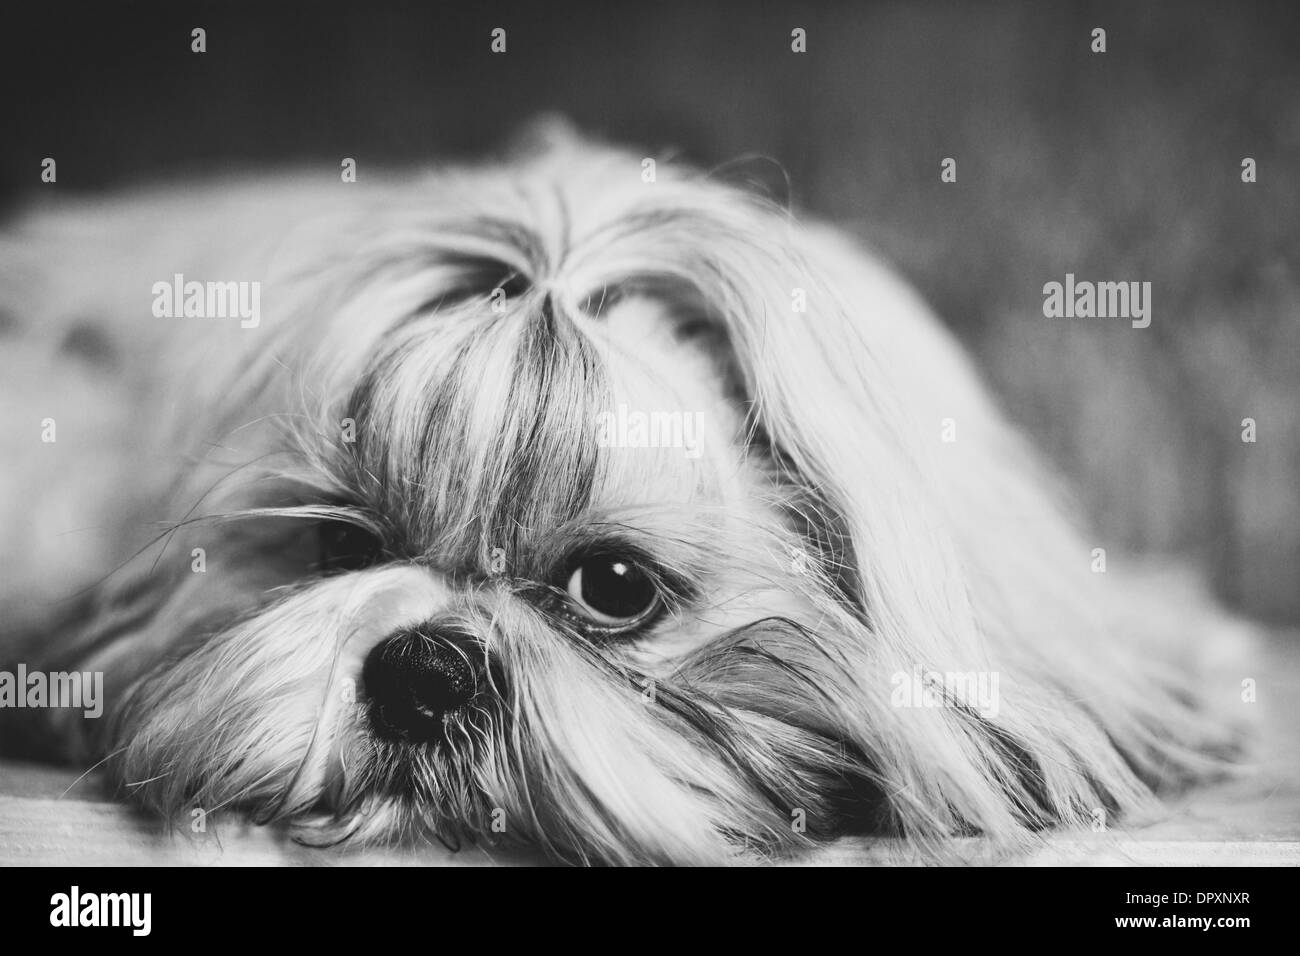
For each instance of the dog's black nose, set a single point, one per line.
(414, 679)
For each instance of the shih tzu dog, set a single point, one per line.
(568, 502)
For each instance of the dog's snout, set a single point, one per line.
(415, 678)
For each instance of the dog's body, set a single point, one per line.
(327, 560)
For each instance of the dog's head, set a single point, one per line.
(584, 504)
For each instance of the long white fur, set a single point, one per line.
(476, 430)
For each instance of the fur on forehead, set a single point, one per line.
(477, 353)
(498, 436)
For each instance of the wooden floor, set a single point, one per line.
(49, 816)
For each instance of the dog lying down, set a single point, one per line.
(534, 503)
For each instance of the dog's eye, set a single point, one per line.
(613, 591)
(346, 547)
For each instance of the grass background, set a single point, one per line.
(1115, 166)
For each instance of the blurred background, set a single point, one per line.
(1117, 166)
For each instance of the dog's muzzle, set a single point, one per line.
(415, 679)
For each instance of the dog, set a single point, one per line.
(548, 502)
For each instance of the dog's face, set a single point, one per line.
(510, 568)
(562, 508)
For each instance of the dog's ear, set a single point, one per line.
(944, 538)
(856, 387)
